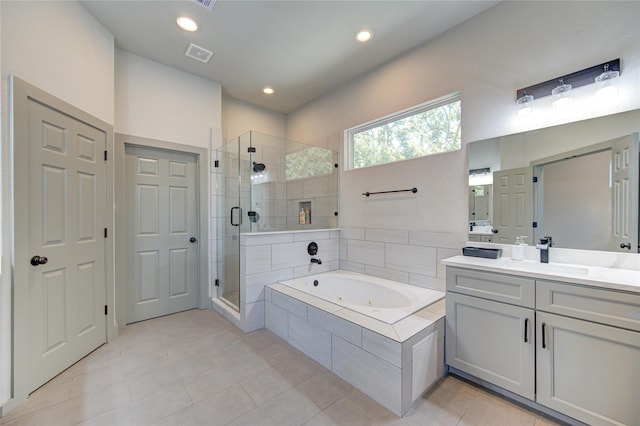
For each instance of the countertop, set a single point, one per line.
(593, 276)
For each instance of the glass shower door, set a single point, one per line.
(235, 158)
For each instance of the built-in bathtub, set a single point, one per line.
(383, 337)
(380, 299)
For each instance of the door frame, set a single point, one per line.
(202, 197)
(20, 94)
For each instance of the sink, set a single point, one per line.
(616, 275)
(546, 268)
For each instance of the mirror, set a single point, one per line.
(576, 199)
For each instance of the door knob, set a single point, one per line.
(495, 231)
(38, 260)
(192, 240)
(627, 246)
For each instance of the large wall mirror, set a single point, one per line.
(577, 182)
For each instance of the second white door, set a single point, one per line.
(162, 231)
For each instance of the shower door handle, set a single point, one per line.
(240, 216)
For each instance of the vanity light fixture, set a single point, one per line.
(605, 75)
(363, 35)
(607, 84)
(187, 24)
(525, 105)
(561, 95)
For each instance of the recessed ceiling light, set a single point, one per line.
(187, 24)
(364, 35)
(268, 90)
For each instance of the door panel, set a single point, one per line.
(625, 172)
(162, 263)
(513, 204)
(66, 293)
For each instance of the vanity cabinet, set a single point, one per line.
(588, 353)
(571, 348)
(490, 324)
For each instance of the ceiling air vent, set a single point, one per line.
(207, 4)
(198, 53)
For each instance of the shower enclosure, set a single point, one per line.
(269, 184)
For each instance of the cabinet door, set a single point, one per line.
(588, 371)
(492, 341)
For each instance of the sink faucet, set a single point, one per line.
(544, 245)
(314, 260)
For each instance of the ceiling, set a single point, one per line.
(300, 48)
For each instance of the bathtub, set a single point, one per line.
(383, 337)
(380, 299)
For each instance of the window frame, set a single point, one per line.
(396, 116)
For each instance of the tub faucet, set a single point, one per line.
(314, 260)
(544, 245)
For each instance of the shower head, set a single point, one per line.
(258, 167)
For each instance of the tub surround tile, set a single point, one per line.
(289, 255)
(266, 238)
(256, 259)
(387, 274)
(432, 283)
(367, 252)
(289, 304)
(277, 320)
(310, 339)
(253, 316)
(367, 322)
(374, 376)
(347, 330)
(416, 259)
(312, 268)
(382, 347)
(451, 240)
(313, 236)
(352, 267)
(352, 233)
(387, 235)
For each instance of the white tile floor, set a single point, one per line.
(195, 368)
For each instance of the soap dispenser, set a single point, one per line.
(517, 252)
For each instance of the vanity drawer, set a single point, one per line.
(610, 307)
(499, 287)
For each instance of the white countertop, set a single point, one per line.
(594, 276)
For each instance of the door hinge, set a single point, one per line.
(106, 233)
(535, 179)
(251, 149)
(106, 309)
(217, 283)
(335, 165)
(535, 224)
(216, 163)
(105, 156)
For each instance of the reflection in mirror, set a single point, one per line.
(580, 199)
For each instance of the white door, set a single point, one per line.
(162, 230)
(67, 293)
(512, 205)
(625, 172)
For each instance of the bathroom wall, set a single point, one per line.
(240, 117)
(159, 102)
(512, 45)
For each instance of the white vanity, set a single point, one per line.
(560, 337)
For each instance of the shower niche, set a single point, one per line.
(268, 184)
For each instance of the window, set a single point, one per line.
(430, 128)
(309, 162)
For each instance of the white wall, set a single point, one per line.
(63, 50)
(239, 117)
(489, 57)
(159, 102)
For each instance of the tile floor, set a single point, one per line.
(195, 368)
